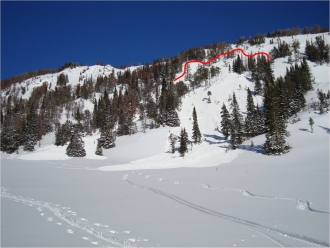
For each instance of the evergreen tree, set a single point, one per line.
(196, 136)
(167, 105)
(9, 135)
(236, 129)
(76, 145)
(124, 123)
(249, 120)
(183, 142)
(257, 86)
(172, 139)
(259, 122)
(225, 121)
(306, 76)
(275, 143)
(311, 123)
(107, 139)
(238, 66)
(67, 130)
(30, 131)
(59, 136)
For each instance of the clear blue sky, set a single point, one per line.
(37, 35)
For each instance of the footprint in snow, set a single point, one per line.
(160, 179)
(97, 224)
(132, 240)
(147, 176)
(69, 231)
(127, 232)
(50, 219)
(82, 219)
(206, 186)
(42, 214)
(59, 223)
(85, 238)
(112, 231)
(94, 243)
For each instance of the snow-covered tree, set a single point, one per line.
(107, 139)
(76, 146)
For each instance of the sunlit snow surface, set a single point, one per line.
(139, 194)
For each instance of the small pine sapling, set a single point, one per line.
(172, 138)
(311, 123)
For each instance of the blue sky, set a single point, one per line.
(37, 35)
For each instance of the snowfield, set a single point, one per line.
(140, 194)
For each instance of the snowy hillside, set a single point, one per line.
(141, 194)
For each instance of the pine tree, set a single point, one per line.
(183, 142)
(311, 123)
(306, 76)
(9, 135)
(257, 87)
(225, 121)
(30, 131)
(59, 136)
(259, 122)
(76, 146)
(249, 120)
(275, 143)
(107, 139)
(172, 139)
(196, 136)
(236, 129)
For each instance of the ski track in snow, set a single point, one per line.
(302, 205)
(65, 215)
(250, 224)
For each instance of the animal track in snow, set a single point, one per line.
(65, 216)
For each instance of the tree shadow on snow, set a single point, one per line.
(218, 140)
(305, 130)
(249, 79)
(325, 128)
(256, 148)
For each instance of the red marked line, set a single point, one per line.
(219, 55)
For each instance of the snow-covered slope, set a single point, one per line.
(213, 149)
(140, 194)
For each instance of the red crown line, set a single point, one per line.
(219, 55)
